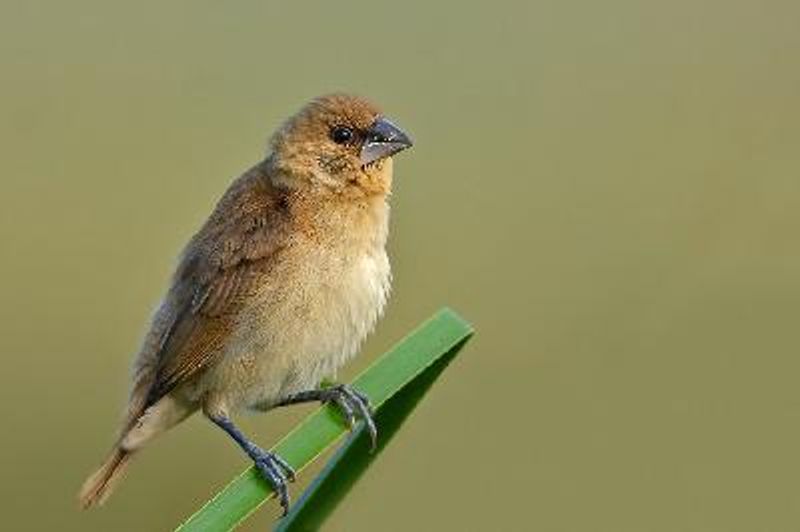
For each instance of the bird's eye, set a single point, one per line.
(341, 134)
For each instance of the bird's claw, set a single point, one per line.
(276, 471)
(354, 404)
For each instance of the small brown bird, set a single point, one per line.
(275, 292)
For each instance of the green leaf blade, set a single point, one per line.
(433, 340)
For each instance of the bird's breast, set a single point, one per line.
(308, 316)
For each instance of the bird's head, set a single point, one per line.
(340, 143)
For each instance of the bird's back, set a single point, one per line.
(217, 271)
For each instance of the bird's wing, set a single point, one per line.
(217, 272)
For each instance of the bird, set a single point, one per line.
(274, 293)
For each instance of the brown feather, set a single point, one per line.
(216, 274)
(101, 483)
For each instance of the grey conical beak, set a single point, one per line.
(384, 139)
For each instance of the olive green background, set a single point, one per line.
(610, 191)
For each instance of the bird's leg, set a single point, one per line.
(350, 401)
(272, 467)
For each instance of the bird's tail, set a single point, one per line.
(101, 483)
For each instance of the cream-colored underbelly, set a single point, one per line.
(300, 328)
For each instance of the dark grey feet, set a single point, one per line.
(350, 401)
(275, 470)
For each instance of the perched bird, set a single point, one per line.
(275, 292)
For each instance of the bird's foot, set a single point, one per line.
(276, 471)
(353, 405)
(350, 401)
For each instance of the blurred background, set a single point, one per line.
(609, 191)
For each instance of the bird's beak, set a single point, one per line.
(384, 139)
